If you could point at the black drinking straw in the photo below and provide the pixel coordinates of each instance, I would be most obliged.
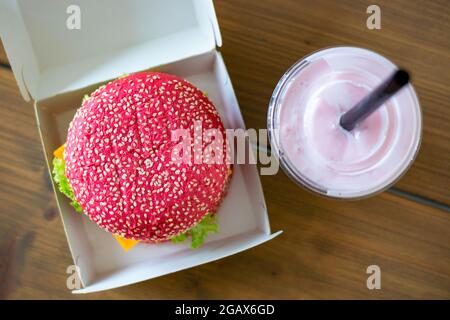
(375, 99)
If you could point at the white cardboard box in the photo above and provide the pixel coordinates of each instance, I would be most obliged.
(56, 66)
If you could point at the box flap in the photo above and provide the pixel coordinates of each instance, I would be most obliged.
(49, 54)
(210, 252)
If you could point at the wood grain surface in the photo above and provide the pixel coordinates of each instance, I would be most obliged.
(326, 245)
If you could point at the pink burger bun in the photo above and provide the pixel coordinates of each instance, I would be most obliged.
(118, 157)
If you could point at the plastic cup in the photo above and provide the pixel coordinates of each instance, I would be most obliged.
(318, 154)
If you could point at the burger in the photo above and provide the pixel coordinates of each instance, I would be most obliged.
(135, 163)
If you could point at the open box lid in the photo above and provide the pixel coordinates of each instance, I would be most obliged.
(50, 55)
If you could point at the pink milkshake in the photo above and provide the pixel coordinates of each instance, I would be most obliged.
(315, 151)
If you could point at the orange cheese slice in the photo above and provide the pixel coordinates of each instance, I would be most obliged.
(126, 244)
(59, 153)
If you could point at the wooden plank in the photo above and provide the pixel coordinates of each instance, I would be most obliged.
(3, 58)
(261, 39)
(323, 253)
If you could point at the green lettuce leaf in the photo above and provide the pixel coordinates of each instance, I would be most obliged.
(59, 176)
(85, 97)
(199, 232)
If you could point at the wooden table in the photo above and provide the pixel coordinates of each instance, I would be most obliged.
(327, 245)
